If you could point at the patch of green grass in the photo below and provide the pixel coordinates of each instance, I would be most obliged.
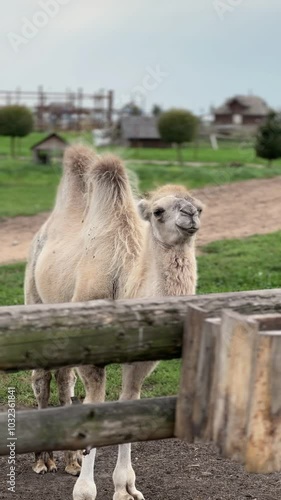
(11, 284)
(163, 382)
(228, 152)
(252, 263)
(23, 145)
(27, 189)
(229, 265)
(152, 176)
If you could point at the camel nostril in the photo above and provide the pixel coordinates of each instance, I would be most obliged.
(185, 212)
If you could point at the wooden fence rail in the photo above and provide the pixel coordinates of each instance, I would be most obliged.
(230, 389)
(102, 332)
(78, 426)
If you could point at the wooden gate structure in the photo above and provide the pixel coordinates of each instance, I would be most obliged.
(230, 388)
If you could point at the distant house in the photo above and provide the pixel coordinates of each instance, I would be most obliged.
(140, 131)
(242, 110)
(51, 145)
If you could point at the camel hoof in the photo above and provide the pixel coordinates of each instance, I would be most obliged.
(136, 495)
(51, 466)
(73, 469)
(40, 467)
(122, 496)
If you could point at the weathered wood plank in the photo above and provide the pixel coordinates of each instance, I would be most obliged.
(206, 381)
(78, 426)
(237, 340)
(98, 333)
(101, 332)
(195, 318)
(263, 453)
(275, 407)
(269, 322)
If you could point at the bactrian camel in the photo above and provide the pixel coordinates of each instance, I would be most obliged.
(95, 245)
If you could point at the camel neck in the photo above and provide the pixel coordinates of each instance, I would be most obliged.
(175, 267)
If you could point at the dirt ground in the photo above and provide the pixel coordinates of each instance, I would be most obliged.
(166, 470)
(232, 211)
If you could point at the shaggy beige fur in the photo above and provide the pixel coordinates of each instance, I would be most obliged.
(95, 245)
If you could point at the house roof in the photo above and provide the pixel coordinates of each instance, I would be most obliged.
(47, 139)
(139, 127)
(253, 105)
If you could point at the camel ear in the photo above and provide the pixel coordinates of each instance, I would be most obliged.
(143, 208)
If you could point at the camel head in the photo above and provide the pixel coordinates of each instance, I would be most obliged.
(174, 215)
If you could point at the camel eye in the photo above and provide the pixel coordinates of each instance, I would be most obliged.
(158, 212)
(199, 210)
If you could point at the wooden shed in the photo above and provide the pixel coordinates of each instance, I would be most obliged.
(140, 131)
(50, 146)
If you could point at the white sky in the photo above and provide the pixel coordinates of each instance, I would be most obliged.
(110, 44)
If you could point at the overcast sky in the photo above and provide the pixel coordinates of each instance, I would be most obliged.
(202, 51)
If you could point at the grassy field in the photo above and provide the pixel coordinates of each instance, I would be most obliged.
(228, 151)
(27, 189)
(151, 176)
(23, 145)
(230, 265)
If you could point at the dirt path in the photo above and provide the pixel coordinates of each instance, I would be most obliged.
(166, 470)
(16, 234)
(232, 211)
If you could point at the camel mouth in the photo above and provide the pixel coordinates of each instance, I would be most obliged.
(189, 230)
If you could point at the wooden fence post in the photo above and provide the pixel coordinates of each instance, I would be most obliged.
(206, 381)
(236, 345)
(190, 354)
(263, 451)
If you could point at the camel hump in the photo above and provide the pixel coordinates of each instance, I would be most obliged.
(110, 176)
(78, 159)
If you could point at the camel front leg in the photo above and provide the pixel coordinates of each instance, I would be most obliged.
(85, 487)
(94, 380)
(124, 477)
(66, 380)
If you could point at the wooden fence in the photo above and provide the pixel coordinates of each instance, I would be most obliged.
(230, 389)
